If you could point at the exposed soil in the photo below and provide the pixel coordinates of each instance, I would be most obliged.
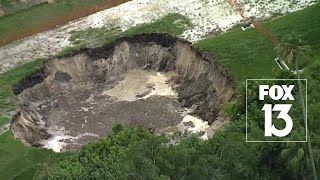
(151, 80)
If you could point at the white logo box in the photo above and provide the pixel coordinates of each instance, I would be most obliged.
(306, 105)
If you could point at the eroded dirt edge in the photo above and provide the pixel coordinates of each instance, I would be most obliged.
(151, 80)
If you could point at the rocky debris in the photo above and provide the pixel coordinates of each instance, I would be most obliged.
(87, 91)
(28, 124)
(62, 76)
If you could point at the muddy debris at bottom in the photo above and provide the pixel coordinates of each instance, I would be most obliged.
(155, 81)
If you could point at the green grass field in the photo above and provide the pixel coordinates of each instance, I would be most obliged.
(174, 24)
(250, 55)
(245, 54)
(32, 16)
(13, 6)
(18, 161)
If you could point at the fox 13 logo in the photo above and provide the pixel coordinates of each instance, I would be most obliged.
(276, 111)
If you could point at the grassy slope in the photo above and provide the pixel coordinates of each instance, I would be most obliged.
(18, 161)
(12, 6)
(249, 55)
(174, 24)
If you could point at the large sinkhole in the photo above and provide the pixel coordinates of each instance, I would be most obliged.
(155, 81)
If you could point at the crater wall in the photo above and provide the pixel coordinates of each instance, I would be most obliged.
(147, 80)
